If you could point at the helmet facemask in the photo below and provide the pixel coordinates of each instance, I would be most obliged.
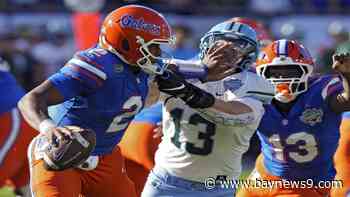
(154, 63)
(289, 80)
(245, 49)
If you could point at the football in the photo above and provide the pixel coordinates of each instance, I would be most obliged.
(68, 153)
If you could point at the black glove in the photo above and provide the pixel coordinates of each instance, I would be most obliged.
(175, 85)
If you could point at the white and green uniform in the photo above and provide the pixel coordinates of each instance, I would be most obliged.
(198, 144)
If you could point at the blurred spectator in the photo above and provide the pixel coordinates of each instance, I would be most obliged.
(270, 6)
(340, 37)
(292, 32)
(55, 50)
(183, 48)
(15, 48)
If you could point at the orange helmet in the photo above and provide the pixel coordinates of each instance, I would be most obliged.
(129, 31)
(263, 34)
(288, 66)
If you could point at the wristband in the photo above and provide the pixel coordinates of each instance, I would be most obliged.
(45, 125)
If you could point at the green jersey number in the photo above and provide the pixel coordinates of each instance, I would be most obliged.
(204, 134)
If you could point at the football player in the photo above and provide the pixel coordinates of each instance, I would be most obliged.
(101, 88)
(204, 137)
(139, 159)
(299, 131)
(15, 135)
(341, 158)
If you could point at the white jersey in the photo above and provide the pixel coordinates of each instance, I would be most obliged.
(198, 144)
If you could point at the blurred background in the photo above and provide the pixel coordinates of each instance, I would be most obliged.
(38, 36)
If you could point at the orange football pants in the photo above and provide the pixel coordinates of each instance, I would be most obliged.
(342, 160)
(108, 179)
(276, 191)
(15, 136)
(138, 147)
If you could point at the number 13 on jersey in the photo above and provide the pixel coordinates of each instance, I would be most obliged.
(206, 130)
(305, 143)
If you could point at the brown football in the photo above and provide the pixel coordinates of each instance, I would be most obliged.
(68, 153)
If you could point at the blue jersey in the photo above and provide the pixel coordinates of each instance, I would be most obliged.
(101, 93)
(152, 114)
(301, 144)
(10, 90)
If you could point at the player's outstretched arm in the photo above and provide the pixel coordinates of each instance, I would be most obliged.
(341, 102)
(174, 85)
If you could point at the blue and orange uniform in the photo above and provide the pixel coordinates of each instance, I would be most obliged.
(300, 145)
(101, 92)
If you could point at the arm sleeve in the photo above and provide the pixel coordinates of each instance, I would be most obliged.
(78, 77)
(334, 86)
(240, 119)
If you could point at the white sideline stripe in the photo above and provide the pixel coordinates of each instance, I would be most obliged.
(88, 67)
(13, 134)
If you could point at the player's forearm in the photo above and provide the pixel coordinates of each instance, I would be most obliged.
(232, 107)
(153, 95)
(34, 104)
(34, 110)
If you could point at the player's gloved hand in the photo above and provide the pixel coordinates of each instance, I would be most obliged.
(175, 85)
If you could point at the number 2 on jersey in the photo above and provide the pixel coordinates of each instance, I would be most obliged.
(194, 119)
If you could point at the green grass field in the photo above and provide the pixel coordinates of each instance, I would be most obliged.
(7, 192)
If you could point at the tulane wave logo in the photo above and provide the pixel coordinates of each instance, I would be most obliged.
(128, 21)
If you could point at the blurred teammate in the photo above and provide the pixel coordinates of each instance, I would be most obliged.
(341, 158)
(206, 137)
(101, 88)
(139, 145)
(299, 132)
(15, 134)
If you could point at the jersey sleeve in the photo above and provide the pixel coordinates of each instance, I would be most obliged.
(80, 75)
(244, 119)
(334, 86)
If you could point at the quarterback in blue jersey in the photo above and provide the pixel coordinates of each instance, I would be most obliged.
(101, 88)
(299, 132)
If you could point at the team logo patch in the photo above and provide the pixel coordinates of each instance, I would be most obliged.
(312, 116)
(118, 68)
(232, 84)
(139, 24)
